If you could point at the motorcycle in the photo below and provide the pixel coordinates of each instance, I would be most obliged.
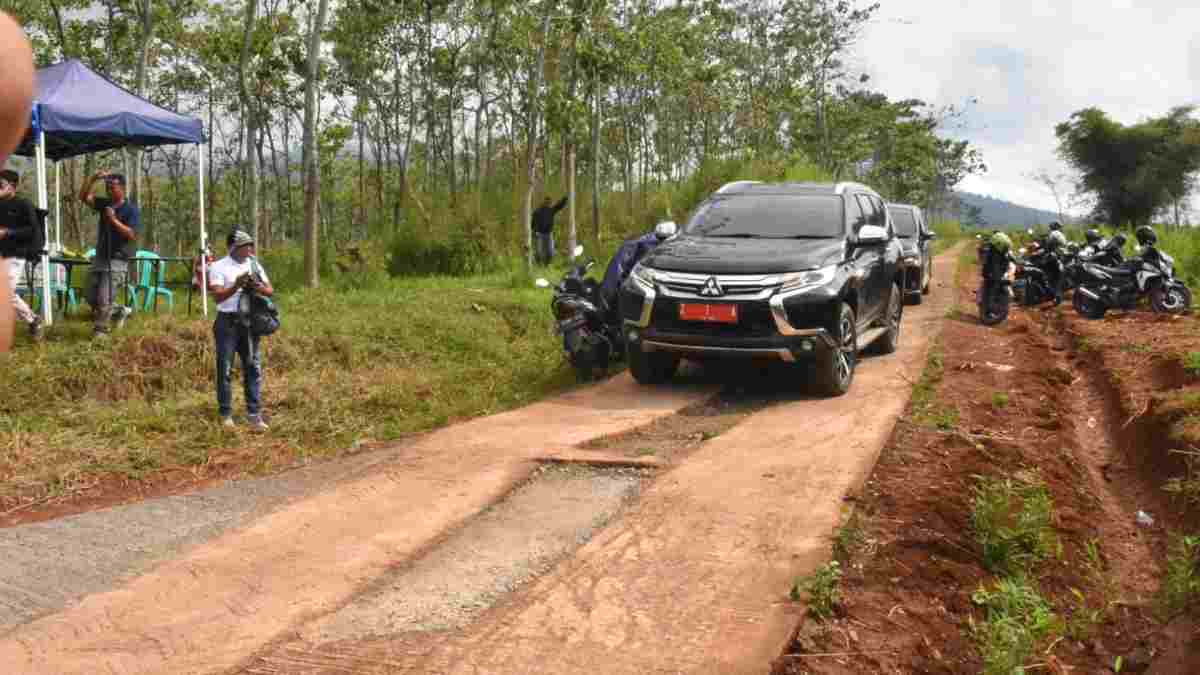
(995, 295)
(590, 339)
(1031, 284)
(1151, 274)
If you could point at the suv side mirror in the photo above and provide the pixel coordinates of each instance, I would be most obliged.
(665, 230)
(929, 235)
(872, 234)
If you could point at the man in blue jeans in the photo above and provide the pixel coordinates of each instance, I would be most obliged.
(227, 279)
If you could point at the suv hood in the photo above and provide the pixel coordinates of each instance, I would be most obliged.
(717, 255)
(909, 245)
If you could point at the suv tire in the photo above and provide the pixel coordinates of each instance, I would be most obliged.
(892, 320)
(651, 367)
(835, 367)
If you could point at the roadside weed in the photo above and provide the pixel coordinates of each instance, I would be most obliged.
(1016, 619)
(1085, 615)
(1188, 485)
(1137, 348)
(849, 538)
(1011, 521)
(822, 588)
(1191, 363)
(1000, 399)
(927, 408)
(1181, 587)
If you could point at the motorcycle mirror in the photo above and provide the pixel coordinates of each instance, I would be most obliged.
(578, 251)
(541, 283)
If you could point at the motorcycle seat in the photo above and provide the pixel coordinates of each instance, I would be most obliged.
(1111, 271)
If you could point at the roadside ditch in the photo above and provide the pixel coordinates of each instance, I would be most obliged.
(1020, 518)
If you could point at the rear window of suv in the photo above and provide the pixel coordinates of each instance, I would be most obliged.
(906, 225)
(769, 217)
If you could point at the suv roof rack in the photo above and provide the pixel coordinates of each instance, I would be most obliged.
(736, 184)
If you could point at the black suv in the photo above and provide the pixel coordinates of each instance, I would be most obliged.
(917, 259)
(793, 271)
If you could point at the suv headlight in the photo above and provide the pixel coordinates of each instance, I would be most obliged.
(910, 260)
(644, 275)
(810, 279)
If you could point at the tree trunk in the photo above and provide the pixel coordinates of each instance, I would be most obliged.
(596, 162)
(146, 15)
(249, 119)
(531, 139)
(312, 185)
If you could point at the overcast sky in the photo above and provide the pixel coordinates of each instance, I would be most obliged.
(1031, 63)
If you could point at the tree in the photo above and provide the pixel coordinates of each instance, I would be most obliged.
(1133, 170)
(312, 172)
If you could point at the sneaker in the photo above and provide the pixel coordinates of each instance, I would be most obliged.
(227, 422)
(257, 423)
(36, 330)
(119, 316)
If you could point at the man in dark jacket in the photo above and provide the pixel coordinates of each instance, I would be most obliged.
(543, 229)
(18, 221)
(116, 241)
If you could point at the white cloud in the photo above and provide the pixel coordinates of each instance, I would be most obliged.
(1031, 64)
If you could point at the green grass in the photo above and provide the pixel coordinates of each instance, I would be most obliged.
(1181, 587)
(1086, 614)
(1000, 399)
(849, 538)
(349, 365)
(927, 408)
(1016, 619)
(822, 588)
(1010, 519)
(1191, 363)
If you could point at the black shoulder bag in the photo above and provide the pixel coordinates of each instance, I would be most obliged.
(261, 315)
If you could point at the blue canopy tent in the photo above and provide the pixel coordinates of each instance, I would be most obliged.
(77, 111)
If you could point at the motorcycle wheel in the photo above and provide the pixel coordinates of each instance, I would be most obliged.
(1087, 307)
(993, 310)
(1173, 299)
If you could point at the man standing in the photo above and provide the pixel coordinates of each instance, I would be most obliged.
(543, 229)
(116, 240)
(18, 221)
(227, 279)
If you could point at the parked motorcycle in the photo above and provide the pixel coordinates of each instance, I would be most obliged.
(590, 339)
(1151, 274)
(995, 293)
(1031, 283)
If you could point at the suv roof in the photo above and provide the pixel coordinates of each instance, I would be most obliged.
(910, 207)
(791, 188)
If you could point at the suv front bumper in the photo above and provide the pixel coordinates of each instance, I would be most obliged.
(765, 329)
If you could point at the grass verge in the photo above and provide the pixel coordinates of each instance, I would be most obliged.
(350, 367)
(1010, 519)
(1016, 619)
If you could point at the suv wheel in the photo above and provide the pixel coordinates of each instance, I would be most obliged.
(651, 367)
(835, 367)
(895, 313)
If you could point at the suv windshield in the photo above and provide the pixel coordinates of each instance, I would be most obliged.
(906, 225)
(768, 217)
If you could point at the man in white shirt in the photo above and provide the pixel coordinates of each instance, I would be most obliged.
(227, 279)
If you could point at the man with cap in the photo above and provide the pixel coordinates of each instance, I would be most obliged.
(116, 241)
(18, 221)
(227, 278)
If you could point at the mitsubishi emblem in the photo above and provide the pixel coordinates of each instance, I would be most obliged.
(711, 288)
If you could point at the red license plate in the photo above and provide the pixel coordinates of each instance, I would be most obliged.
(705, 312)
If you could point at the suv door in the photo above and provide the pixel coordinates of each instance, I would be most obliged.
(873, 293)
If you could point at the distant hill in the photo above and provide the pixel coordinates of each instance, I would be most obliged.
(996, 213)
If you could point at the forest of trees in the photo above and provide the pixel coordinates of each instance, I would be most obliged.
(373, 119)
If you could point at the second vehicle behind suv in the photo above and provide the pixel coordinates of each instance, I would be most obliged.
(917, 259)
(793, 271)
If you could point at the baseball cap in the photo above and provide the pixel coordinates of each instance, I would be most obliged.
(115, 178)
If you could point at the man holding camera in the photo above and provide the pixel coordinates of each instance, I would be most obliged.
(116, 240)
(228, 279)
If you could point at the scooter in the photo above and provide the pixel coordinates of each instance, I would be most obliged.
(590, 340)
(1151, 274)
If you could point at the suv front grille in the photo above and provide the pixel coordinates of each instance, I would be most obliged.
(732, 286)
(754, 320)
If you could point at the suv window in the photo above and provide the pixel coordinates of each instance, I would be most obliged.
(768, 217)
(869, 210)
(906, 224)
(855, 215)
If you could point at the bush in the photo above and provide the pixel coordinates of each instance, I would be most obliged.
(1011, 521)
(1017, 619)
(456, 255)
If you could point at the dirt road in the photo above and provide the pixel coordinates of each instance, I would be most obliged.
(692, 578)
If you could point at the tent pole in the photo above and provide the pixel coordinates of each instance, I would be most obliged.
(40, 164)
(203, 233)
(57, 209)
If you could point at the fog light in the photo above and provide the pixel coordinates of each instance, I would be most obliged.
(806, 345)
(631, 336)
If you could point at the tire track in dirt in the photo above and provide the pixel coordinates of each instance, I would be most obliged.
(208, 609)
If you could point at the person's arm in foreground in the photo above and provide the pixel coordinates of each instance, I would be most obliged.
(16, 97)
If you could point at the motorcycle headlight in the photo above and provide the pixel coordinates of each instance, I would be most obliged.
(809, 279)
(644, 275)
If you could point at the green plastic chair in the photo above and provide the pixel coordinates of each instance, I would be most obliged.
(153, 287)
(61, 292)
